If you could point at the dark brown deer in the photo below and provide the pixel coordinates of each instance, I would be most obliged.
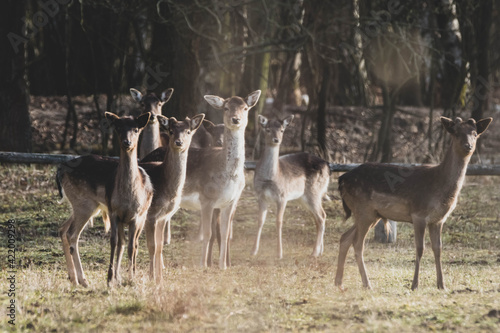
(129, 196)
(151, 137)
(278, 179)
(422, 195)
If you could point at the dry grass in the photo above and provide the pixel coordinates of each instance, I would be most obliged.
(257, 293)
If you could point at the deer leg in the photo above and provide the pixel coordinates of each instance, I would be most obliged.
(206, 228)
(419, 227)
(133, 230)
(151, 244)
(435, 235)
(358, 245)
(74, 227)
(225, 227)
(160, 232)
(346, 241)
(63, 233)
(280, 205)
(215, 234)
(168, 234)
(228, 257)
(113, 242)
(319, 218)
(119, 251)
(261, 221)
(138, 232)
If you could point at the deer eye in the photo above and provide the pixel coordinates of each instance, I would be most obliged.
(474, 133)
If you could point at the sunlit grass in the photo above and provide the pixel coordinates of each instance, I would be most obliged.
(257, 293)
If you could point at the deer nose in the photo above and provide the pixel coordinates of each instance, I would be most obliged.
(178, 143)
(127, 143)
(468, 146)
(276, 140)
(236, 121)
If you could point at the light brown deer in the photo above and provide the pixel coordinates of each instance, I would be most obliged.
(422, 195)
(168, 178)
(84, 181)
(216, 175)
(151, 137)
(208, 135)
(278, 179)
(129, 196)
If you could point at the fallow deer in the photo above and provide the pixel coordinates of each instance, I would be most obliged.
(422, 195)
(151, 136)
(299, 176)
(216, 175)
(168, 178)
(208, 135)
(129, 196)
(83, 182)
(211, 136)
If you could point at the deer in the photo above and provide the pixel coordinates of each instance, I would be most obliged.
(129, 196)
(83, 182)
(208, 135)
(216, 175)
(151, 136)
(212, 136)
(422, 195)
(299, 176)
(168, 178)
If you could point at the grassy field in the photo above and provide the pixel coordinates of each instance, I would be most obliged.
(257, 293)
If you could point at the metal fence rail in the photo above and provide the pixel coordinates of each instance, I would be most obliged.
(33, 158)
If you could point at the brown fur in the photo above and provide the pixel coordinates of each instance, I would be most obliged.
(423, 196)
(83, 181)
(299, 176)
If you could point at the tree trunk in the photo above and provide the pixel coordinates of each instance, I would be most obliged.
(321, 115)
(482, 86)
(15, 124)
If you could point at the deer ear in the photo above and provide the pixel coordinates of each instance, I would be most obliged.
(165, 95)
(448, 124)
(143, 119)
(136, 94)
(263, 121)
(483, 124)
(111, 118)
(196, 121)
(208, 125)
(287, 120)
(215, 101)
(163, 121)
(253, 98)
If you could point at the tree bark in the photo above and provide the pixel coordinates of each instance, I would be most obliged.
(15, 123)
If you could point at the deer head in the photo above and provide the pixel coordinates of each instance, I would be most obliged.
(180, 133)
(465, 133)
(235, 108)
(151, 103)
(274, 129)
(128, 128)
